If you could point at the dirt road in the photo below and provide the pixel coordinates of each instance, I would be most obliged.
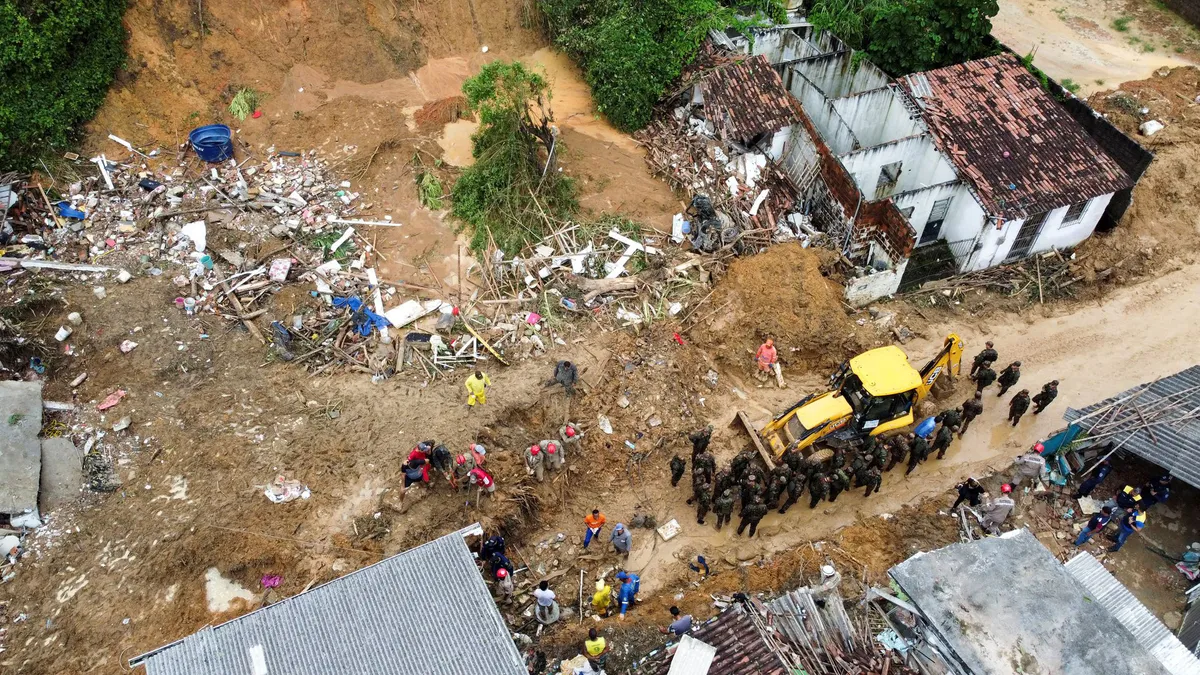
(1077, 39)
(1138, 334)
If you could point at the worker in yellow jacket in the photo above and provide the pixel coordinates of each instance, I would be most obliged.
(477, 385)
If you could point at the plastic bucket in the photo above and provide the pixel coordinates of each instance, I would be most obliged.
(212, 143)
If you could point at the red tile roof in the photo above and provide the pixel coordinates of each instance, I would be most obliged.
(747, 98)
(980, 111)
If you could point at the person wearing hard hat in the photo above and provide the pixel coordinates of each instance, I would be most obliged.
(535, 462)
(504, 585)
(1030, 465)
(602, 598)
(554, 453)
(995, 510)
(1132, 521)
(570, 435)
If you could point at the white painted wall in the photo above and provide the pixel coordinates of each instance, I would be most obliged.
(835, 75)
(921, 165)
(867, 289)
(877, 116)
(781, 45)
(778, 143)
(1054, 234)
(922, 202)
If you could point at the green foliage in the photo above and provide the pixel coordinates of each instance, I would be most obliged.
(58, 58)
(429, 190)
(1042, 79)
(632, 50)
(1070, 85)
(510, 192)
(905, 36)
(244, 103)
(1121, 23)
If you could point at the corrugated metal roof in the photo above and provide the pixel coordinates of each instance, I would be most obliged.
(1004, 602)
(1175, 447)
(741, 649)
(1148, 630)
(423, 611)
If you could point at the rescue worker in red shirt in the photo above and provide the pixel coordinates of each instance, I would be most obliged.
(766, 357)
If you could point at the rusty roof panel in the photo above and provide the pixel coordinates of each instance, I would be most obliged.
(741, 649)
(747, 98)
(1019, 148)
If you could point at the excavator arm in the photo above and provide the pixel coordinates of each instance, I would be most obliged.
(948, 360)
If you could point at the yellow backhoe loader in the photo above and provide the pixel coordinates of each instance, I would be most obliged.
(870, 394)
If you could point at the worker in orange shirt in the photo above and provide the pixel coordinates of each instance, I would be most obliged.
(594, 523)
(766, 357)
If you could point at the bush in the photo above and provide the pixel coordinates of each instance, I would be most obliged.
(632, 50)
(57, 58)
(508, 194)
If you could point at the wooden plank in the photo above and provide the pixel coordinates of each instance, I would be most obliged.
(484, 343)
(762, 450)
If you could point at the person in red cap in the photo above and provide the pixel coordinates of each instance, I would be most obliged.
(570, 435)
(766, 357)
(535, 462)
(995, 510)
(504, 585)
(484, 481)
(555, 454)
(1030, 465)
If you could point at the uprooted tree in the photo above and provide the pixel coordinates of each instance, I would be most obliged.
(513, 191)
(58, 58)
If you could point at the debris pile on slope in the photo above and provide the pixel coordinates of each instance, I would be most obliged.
(780, 294)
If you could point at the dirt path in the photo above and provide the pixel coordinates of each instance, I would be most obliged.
(1077, 40)
(1139, 333)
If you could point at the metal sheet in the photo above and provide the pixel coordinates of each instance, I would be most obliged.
(1175, 447)
(1148, 630)
(424, 611)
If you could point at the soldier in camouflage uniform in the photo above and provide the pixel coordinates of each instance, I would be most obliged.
(703, 501)
(751, 487)
(873, 480)
(776, 485)
(678, 466)
(795, 488)
(838, 482)
(741, 463)
(900, 446)
(723, 507)
(818, 487)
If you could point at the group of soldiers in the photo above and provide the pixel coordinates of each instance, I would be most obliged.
(984, 376)
(744, 482)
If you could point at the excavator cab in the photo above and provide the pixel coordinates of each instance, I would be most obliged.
(872, 393)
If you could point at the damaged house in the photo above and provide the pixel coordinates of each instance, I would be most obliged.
(942, 172)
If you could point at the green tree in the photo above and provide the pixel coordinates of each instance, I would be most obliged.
(513, 187)
(58, 58)
(632, 50)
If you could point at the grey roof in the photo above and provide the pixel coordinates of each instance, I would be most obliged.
(1173, 446)
(422, 612)
(1005, 605)
(1146, 628)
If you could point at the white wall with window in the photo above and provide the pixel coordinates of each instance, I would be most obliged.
(914, 163)
(1061, 227)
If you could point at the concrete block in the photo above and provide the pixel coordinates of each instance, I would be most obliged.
(62, 473)
(20, 449)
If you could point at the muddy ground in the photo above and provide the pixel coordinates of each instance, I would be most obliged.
(214, 420)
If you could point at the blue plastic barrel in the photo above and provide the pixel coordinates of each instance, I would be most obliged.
(212, 143)
(925, 428)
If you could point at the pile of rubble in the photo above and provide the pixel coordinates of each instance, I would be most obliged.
(1046, 275)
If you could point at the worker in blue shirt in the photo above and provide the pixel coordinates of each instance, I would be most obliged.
(1086, 487)
(632, 578)
(1094, 526)
(626, 597)
(1133, 521)
(1156, 491)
